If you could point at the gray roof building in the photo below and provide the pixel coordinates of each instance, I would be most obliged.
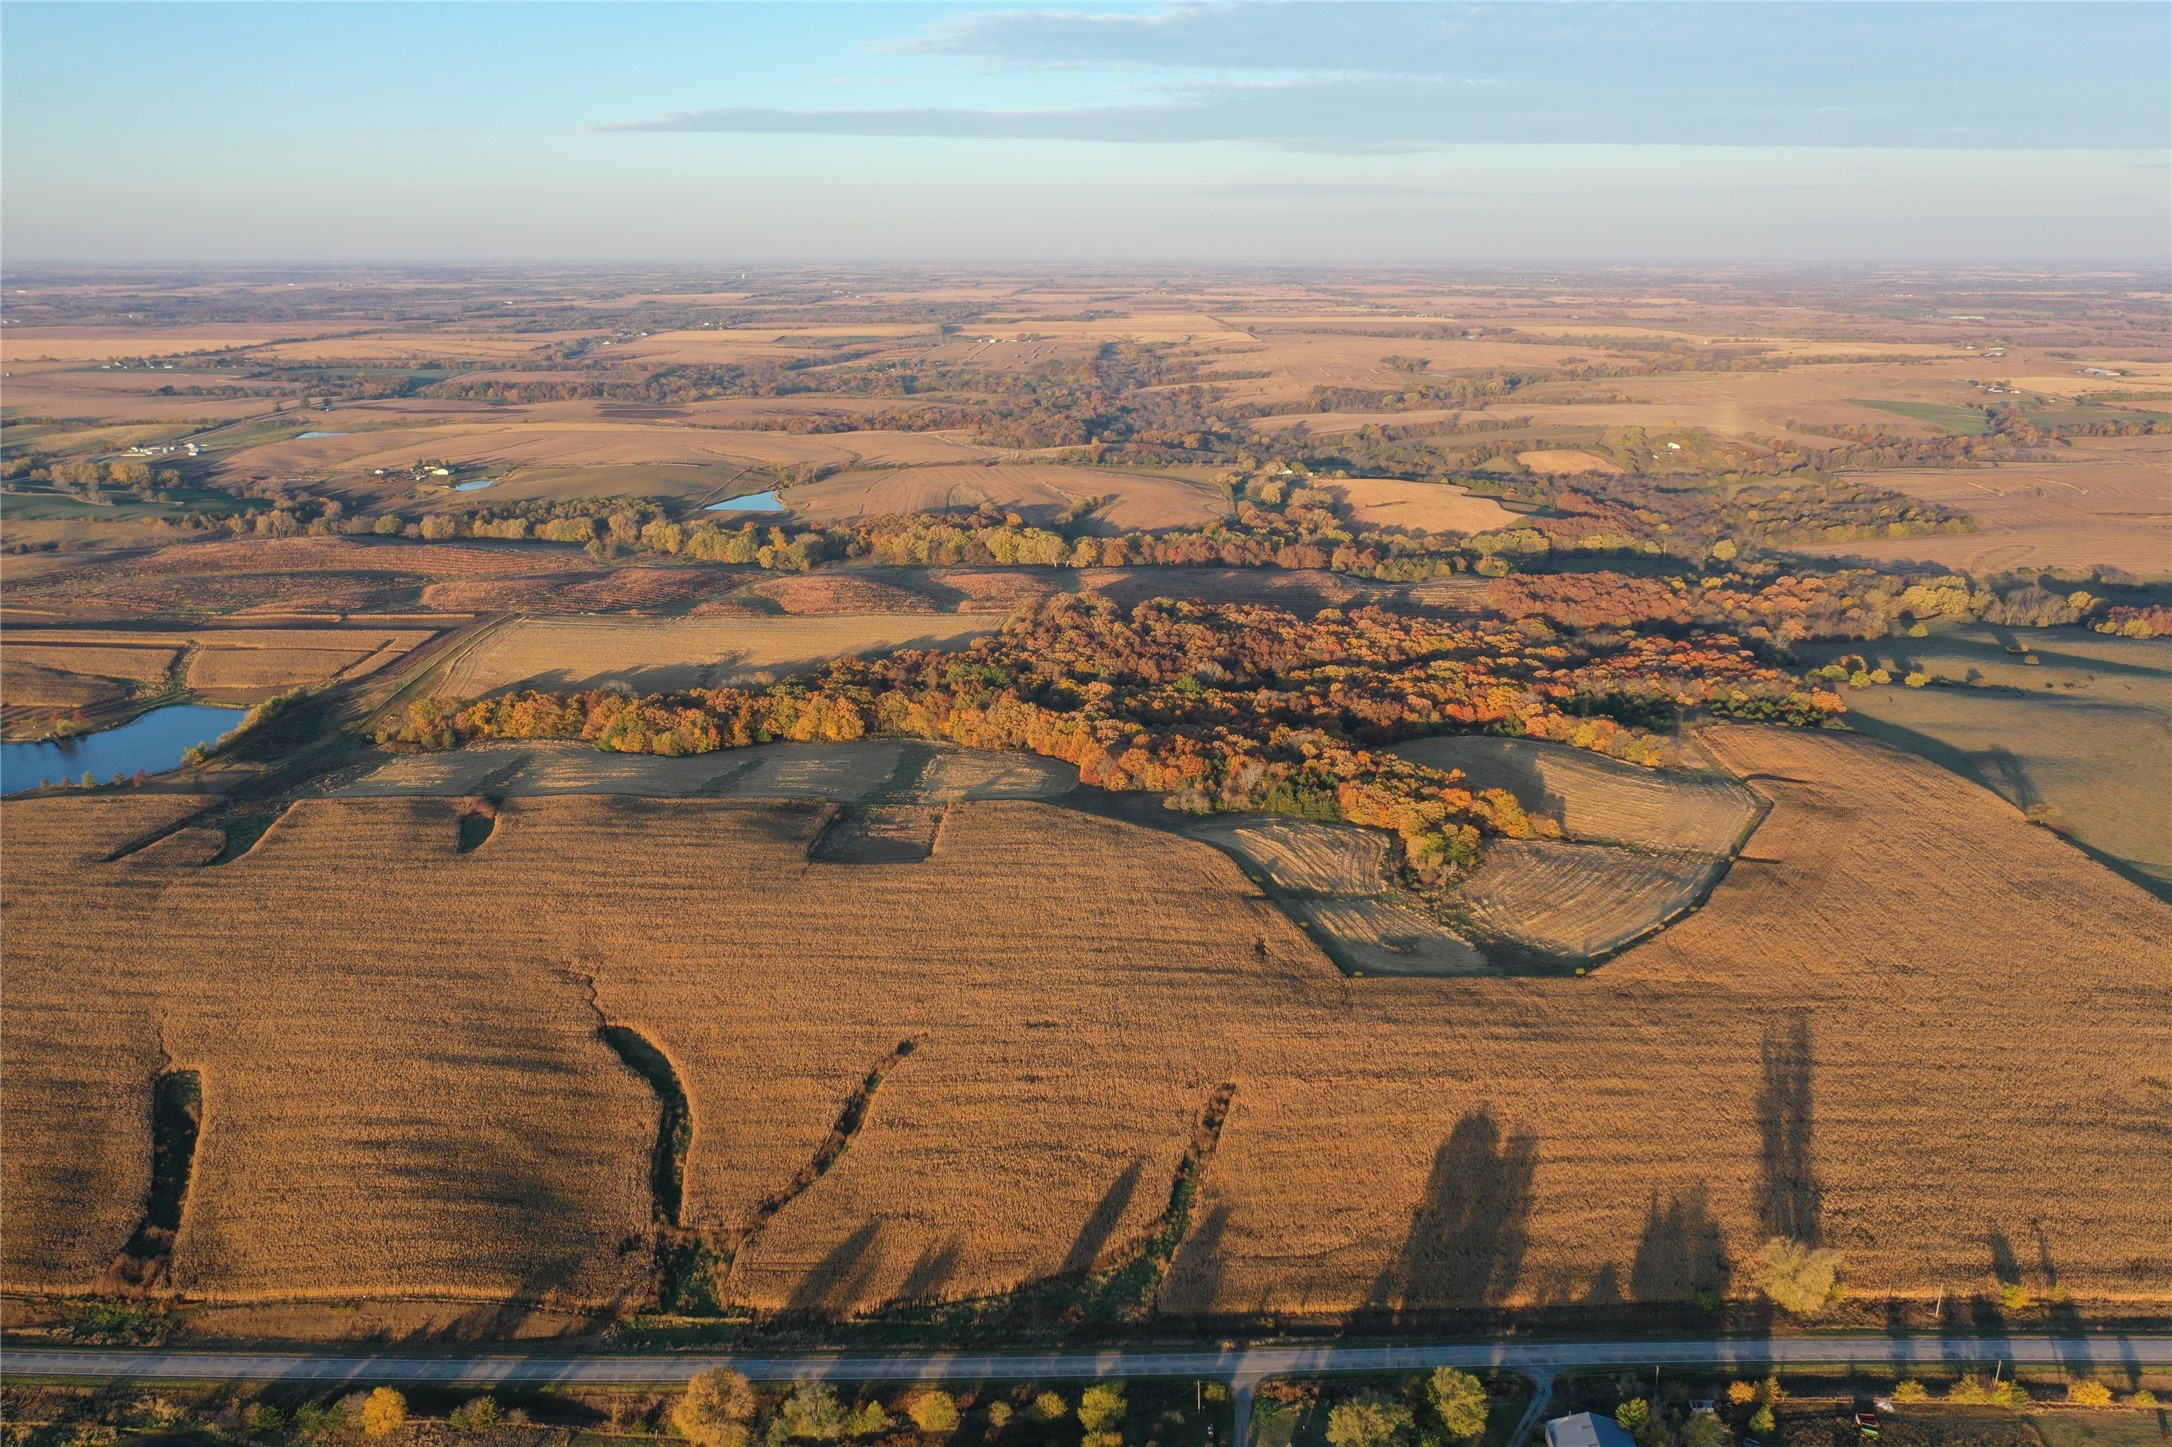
(1587, 1429)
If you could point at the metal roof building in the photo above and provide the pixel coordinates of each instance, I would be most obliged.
(1587, 1429)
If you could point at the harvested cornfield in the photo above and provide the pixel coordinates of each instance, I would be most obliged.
(146, 663)
(260, 669)
(400, 1122)
(27, 684)
(1766, 1067)
(1908, 1026)
(1303, 855)
(1377, 937)
(1578, 901)
(870, 770)
(651, 654)
(581, 590)
(1418, 507)
(1598, 799)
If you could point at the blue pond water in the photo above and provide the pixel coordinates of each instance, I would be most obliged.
(320, 434)
(153, 742)
(476, 486)
(749, 502)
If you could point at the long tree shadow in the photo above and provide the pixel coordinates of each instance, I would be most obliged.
(928, 1275)
(1471, 1228)
(1196, 1274)
(1790, 1197)
(2065, 1318)
(1683, 1252)
(1094, 1235)
(835, 1283)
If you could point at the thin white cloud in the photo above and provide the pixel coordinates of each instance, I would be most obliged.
(1369, 78)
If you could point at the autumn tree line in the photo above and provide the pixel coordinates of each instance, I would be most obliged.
(1218, 706)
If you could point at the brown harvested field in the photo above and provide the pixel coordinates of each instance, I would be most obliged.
(1424, 507)
(99, 343)
(1567, 462)
(148, 662)
(1380, 937)
(1578, 901)
(316, 1164)
(308, 555)
(1762, 404)
(1319, 356)
(991, 590)
(2080, 739)
(220, 659)
(113, 648)
(336, 575)
(1139, 500)
(1763, 1065)
(417, 345)
(75, 392)
(648, 654)
(909, 449)
(2113, 508)
(216, 670)
(1597, 799)
(511, 439)
(863, 771)
(24, 684)
(832, 593)
(588, 590)
(1302, 855)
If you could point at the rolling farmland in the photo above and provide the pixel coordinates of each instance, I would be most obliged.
(505, 1018)
(994, 1152)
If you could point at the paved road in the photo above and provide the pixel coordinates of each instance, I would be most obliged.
(1237, 1364)
(1242, 1367)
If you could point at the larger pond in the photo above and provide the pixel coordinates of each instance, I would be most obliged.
(151, 743)
(749, 502)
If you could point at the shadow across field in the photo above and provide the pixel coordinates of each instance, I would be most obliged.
(1471, 1227)
(1790, 1196)
(1682, 1253)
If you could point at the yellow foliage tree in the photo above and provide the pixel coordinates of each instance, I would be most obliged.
(384, 1413)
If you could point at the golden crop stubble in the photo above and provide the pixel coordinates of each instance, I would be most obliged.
(1976, 1010)
(1905, 1019)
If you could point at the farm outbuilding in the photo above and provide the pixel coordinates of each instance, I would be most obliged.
(1586, 1429)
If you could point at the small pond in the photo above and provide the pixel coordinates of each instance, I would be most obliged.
(749, 502)
(153, 742)
(476, 486)
(320, 434)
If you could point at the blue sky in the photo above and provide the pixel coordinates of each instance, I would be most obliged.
(1647, 131)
